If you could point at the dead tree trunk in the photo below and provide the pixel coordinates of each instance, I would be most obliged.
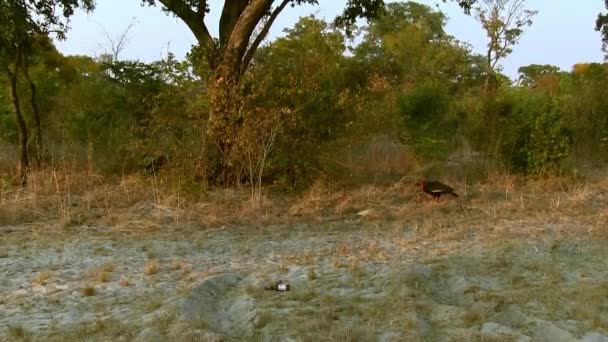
(23, 164)
(39, 147)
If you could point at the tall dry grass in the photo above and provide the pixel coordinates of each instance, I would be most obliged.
(67, 197)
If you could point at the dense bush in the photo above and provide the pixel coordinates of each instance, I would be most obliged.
(308, 97)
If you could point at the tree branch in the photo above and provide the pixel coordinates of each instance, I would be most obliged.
(240, 36)
(194, 20)
(202, 7)
(230, 15)
(260, 38)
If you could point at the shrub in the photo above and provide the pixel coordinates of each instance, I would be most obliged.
(550, 140)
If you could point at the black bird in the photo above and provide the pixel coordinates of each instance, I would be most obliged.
(435, 189)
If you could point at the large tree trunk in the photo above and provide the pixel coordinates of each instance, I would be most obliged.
(225, 111)
(226, 102)
(235, 49)
(23, 164)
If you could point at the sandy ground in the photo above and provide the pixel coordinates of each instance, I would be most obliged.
(352, 279)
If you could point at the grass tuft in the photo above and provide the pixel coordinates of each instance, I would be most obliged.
(88, 290)
(151, 267)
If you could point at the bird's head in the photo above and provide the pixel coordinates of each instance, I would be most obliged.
(421, 183)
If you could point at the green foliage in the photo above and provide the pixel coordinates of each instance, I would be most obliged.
(504, 22)
(8, 128)
(426, 72)
(116, 113)
(601, 25)
(550, 140)
(22, 22)
(529, 129)
(303, 76)
(305, 106)
(586, 99)
(401, 15)
(372, 9)
(532, 75)
(424, 112)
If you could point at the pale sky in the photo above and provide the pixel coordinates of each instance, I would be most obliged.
(562, 34)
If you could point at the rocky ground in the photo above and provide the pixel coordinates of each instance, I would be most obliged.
(350, 280)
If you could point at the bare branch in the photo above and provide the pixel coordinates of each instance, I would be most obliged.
(116, 44)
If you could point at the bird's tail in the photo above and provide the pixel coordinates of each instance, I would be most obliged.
(453, 194)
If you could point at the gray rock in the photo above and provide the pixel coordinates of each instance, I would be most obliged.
(423, 271)
(423, 326)
(441, 314)
(570, 325)
(288, 339)
(594, 337)
(491, 328)
(512, 316)
(150, 335)
(491, 284)
(458, 287)
(390, 336)
(221, 305)
(547, 332)
(494, 330)
(296, 277)
(458, 284)
(207, 293)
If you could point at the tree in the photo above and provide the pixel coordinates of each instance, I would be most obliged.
(22, 24)
(114, 45)
(303, 77)
(533, 74)
(504, 22)
(243, 26)
(601, 25)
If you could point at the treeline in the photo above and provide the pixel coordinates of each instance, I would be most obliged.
(304, 99)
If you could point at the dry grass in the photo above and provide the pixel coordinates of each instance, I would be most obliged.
(152, 267)
(487, 208)
(153, 303)
(42, 278)
(107, 267)
(103, 273)
(415, 223)
(178, 265)
(18, 333)
(104, 277)
(88, 290)
(472, 318)
(183, 267)
(72, 197)
(124, 282)
(489, 212)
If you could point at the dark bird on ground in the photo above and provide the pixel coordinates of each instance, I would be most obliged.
(435, 189)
